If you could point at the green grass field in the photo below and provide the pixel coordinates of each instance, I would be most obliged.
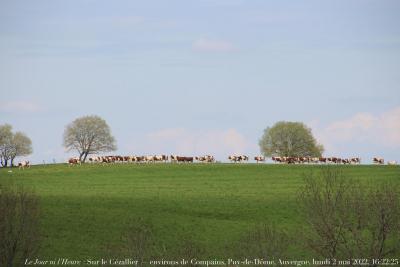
(85, 209)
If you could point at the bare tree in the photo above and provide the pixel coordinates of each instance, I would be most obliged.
(21, 146)
(347, 220)
(13, 145)
(6, 136)
(88, 135)
(19, 236)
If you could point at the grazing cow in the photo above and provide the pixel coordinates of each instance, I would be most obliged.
(355, 160)
(95, 159)
(73, 161)
(184, 159)
(160, 158)
(23, 164)
(259, 159)
(174, 158)
(290, 160)
(243, 158)
(277, 159)
(322, 160)
(149, 158)
(392, 162)
(164, 158)
(201, 159)
(377, 160)
(205, 159)
(140, 159)
(240, 158)
(178, 159)
(233, 158)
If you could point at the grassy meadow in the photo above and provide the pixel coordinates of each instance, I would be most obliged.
(85, 210)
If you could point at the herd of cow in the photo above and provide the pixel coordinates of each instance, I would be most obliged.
(231, 158)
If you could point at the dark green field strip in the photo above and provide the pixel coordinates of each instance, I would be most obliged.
(91, 223)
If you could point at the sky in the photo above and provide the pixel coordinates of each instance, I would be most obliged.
(203, 77)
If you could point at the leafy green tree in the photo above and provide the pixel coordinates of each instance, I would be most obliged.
(88, 135)
(289, 139)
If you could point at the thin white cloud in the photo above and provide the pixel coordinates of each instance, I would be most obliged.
(126, 21)
(219, 143)
(378, 129)
(20, 106)
(207, 45)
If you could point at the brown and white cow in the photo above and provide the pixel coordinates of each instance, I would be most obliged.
(23, 164)
(277, 159)
(73, 161)
(259, 159)
(205, 159)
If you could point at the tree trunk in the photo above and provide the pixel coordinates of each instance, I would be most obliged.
(80, 156)
(12, 162)
(84, 158)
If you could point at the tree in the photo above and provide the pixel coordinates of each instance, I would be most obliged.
(289, 139)
(21, 146)
(19, 225)
(13, 145)
(6, 136)
(88, 135)
(347, 219)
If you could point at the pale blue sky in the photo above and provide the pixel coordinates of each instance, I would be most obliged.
(195, 77)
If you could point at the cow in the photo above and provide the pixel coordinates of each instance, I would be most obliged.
(259, 159)
(355, 160)
(140, 159)
(149, 158)
(202, 159)
(160, 158)
(243, 158)
(178, 159)
(164, 158)
(291, 160)
(377, 160)
(277, 159)
(173, 158)
(240, 158)
(392, 162)
(73, 161)
(233, 158)
(23, 164)
(205, 159)
(184, 159)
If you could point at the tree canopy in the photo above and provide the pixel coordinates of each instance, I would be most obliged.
(13, 145)
(88, 135)
(289, 139)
